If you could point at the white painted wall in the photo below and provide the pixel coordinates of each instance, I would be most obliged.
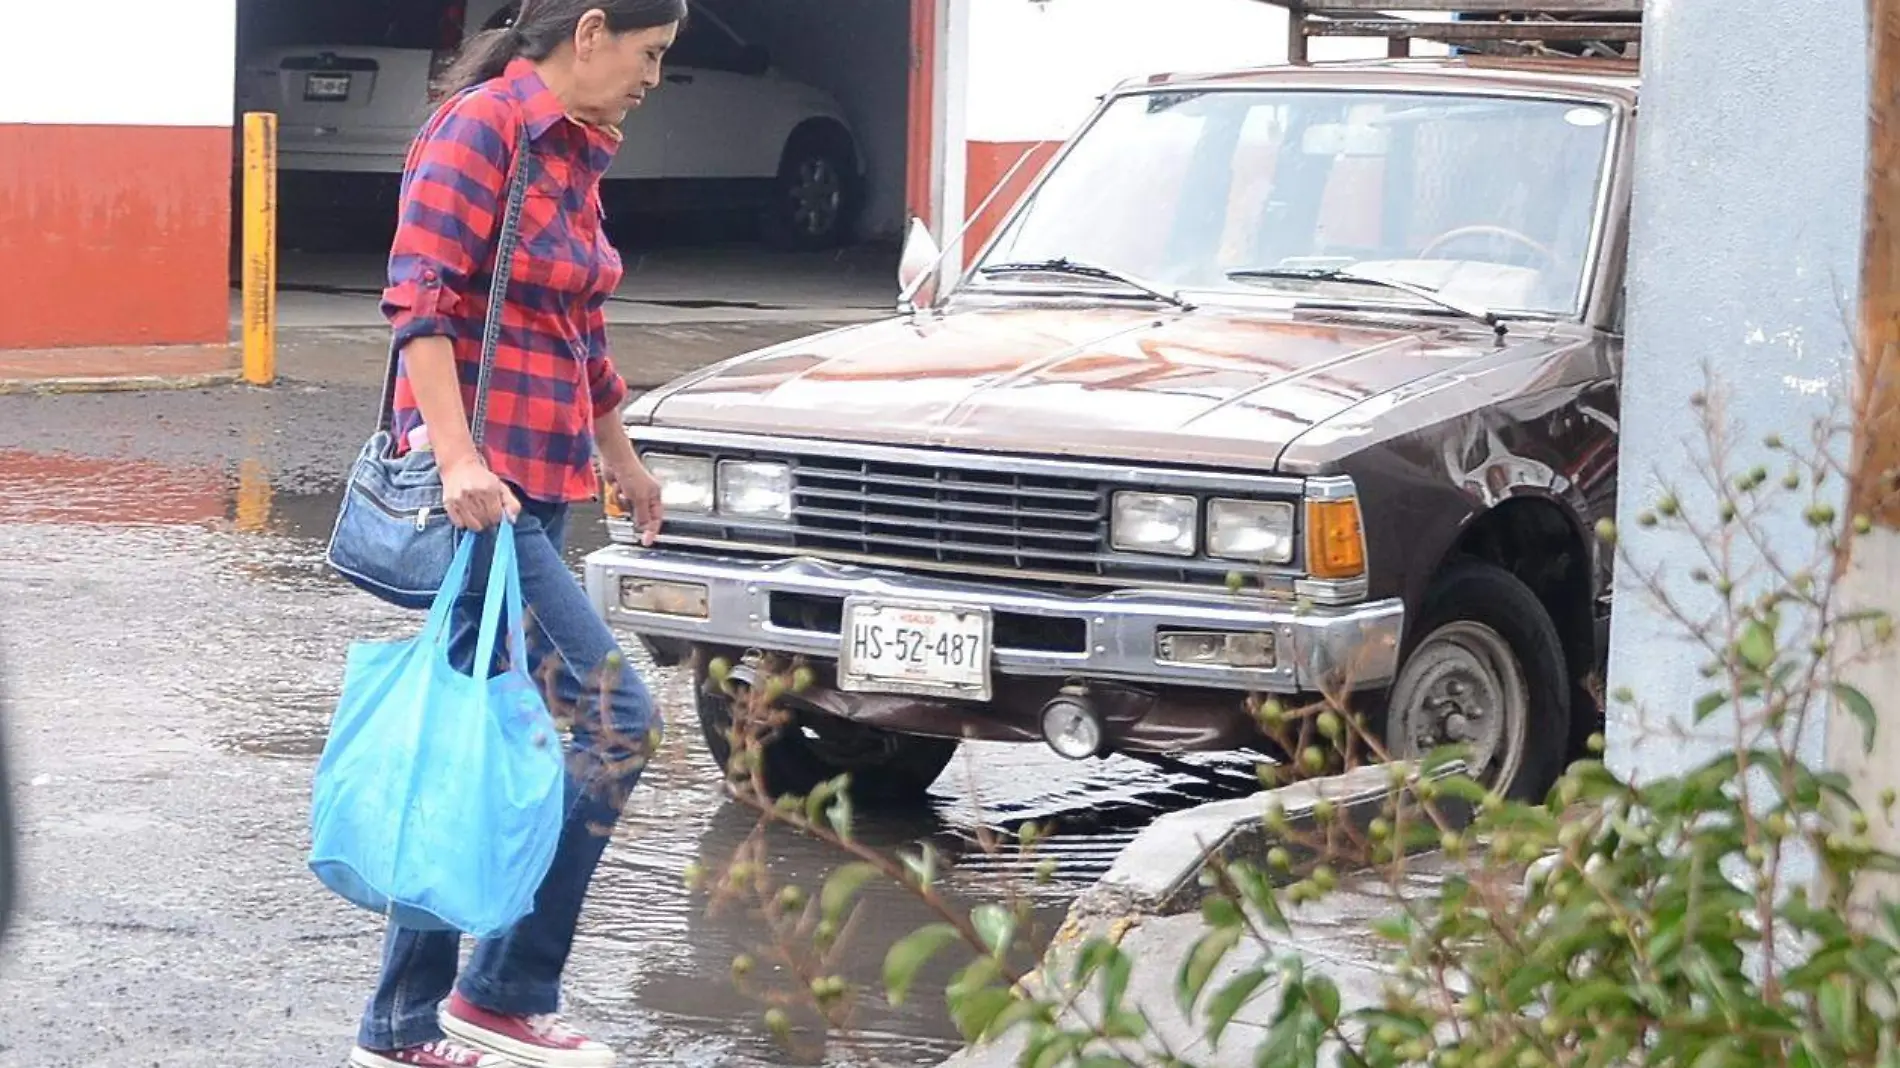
(1036, 68)
(118, 62)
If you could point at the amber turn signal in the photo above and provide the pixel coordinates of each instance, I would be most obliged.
(1335, 545)
(610, 501)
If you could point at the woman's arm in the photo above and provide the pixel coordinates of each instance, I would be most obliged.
(474, 496)
(638, 490)
(446, 227)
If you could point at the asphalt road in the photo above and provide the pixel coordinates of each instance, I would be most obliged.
(176, 648)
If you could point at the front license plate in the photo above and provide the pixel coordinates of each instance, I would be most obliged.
(326, 87)
(924, 650)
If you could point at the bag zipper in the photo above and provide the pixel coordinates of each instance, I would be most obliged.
(421, 517)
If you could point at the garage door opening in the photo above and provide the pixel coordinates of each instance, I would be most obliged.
(782, 126)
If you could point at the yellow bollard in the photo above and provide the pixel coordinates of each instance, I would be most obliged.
(260, 248)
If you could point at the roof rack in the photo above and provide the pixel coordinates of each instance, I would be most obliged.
(1590, 28)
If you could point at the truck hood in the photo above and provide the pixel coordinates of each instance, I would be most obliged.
(1214, 388)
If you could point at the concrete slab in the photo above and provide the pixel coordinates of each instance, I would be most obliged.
(1331, 937)
(1148, 901)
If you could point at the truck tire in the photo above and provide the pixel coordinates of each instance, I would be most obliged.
(815, 194)
(1488, 670)
(887, 770)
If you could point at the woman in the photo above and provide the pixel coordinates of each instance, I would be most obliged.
(555, 86)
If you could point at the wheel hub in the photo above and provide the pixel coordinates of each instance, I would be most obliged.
(1463, 686)
(817, 197)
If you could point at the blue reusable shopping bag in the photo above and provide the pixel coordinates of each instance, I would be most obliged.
(440, 796)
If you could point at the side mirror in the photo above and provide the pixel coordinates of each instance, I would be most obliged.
(754, 60)
(917, 268)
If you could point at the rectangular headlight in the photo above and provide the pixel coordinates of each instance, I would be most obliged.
(686, 482)
(1154, 523)
(752, 488)
(1255, 531)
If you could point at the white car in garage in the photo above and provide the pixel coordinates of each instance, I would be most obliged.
(352, 80)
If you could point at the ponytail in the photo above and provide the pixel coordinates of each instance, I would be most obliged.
(485, 57)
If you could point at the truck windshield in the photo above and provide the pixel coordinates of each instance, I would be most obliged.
(1488, 202)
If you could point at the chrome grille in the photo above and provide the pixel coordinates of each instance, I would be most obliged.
(1037, 520)
(949, 516)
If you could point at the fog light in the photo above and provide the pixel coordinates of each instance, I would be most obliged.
(686, 599)
(1245, 649)
(1071, 727)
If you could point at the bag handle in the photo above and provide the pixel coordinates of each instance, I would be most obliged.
(506, 240)
(453, 583)
(504, 590)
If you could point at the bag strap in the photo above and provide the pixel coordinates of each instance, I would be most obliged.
(506, 239)
(498, 288)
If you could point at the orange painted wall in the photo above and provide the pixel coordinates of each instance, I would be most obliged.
(921, 147)
(989, 162)
(114, 235)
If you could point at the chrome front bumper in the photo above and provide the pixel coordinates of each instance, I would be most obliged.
(1355, 646)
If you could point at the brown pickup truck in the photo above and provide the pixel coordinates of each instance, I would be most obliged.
(1277, 381)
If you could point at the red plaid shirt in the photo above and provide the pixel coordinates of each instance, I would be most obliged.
(552, 374)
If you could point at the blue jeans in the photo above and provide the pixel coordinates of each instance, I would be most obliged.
(573, 652)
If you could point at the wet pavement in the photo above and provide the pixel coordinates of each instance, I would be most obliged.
(174, 648)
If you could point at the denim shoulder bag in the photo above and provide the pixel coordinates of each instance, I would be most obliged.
(393, 537)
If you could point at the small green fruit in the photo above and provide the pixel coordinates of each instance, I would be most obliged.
(777, 1022)
(1606, 531)
(1279, 859)
(1331, 726)
(1276, 816)
(742, 965)
(1325, 879)
(1324, 810)
(1313, 759)
(791, 898)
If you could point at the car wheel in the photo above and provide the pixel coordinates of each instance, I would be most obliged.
(814, 194)
(1487, 672)
(887, 770)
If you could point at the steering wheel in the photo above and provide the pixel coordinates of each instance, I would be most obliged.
(1454, 234)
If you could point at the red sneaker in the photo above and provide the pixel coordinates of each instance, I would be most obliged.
(535, 1041)
(442, 1054)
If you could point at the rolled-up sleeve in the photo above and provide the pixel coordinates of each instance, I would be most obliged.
(608, 389)
(451, 198)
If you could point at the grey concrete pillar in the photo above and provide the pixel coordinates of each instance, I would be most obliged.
(1745, 257)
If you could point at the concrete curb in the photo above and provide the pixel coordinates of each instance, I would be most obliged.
(114, 384)
(1156, 882)
(1159, 873)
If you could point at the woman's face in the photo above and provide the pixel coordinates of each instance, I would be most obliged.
(614, 71)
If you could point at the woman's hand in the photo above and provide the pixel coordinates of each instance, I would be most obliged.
(638, 492)
(475, 498)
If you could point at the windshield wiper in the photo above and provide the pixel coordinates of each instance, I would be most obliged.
(1341, 274)
(1069, 265)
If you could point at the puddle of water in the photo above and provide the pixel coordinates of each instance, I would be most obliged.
(209, 653)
